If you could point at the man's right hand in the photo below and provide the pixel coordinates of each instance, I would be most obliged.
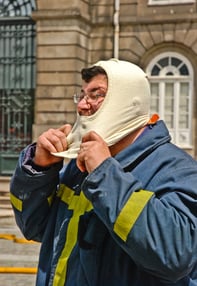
(53, 140)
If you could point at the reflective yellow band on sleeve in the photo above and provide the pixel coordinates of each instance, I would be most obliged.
(16, 202)
(130, 213)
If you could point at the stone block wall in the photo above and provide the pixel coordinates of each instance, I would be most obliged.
(62, 50)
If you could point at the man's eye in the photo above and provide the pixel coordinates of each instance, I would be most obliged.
(92, 96)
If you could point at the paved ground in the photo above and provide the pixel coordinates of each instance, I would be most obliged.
(16, 254)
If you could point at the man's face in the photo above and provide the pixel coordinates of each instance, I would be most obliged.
(92, 95)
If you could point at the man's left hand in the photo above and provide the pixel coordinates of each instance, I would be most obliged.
(93, 151)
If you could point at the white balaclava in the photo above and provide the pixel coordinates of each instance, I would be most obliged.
(124, 109)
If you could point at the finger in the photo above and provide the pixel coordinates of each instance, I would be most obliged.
(66, 129)
(49, 145)
(55, 141)
(62, 133)
(91, 136)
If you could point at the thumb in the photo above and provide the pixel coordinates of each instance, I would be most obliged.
(66, 129)
(91, 136)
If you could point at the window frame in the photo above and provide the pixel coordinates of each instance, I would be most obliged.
(177, 80)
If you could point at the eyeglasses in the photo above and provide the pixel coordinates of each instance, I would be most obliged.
(90, 97)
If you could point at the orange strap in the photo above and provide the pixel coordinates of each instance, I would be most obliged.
(153, 119)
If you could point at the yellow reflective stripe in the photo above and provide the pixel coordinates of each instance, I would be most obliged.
(50, 198)
(65, 193)
(18, 204)
(130, 213)
(79, 204)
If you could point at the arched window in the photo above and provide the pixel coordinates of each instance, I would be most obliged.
(171, 79)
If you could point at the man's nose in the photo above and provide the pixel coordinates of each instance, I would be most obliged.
(84, 102)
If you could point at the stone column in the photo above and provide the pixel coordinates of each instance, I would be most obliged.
(62, 50)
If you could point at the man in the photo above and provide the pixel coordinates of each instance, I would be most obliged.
(124, 210)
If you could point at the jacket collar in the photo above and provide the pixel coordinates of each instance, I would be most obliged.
(152, 137)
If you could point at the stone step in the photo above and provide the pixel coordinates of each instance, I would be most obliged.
(4, 193)
(5, 200)
(6, 205)
(4, 184)
(24, 260)
(4, 213)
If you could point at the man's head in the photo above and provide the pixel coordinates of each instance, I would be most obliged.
(121, 106)
(93, 90)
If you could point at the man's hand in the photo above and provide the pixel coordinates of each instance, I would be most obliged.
(93, 151)
(53, 140)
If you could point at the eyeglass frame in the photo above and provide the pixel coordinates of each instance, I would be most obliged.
(79, 97)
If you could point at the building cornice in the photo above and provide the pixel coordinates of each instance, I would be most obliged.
(159, 19)
(59, 14)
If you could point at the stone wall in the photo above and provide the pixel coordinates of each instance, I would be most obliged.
(62, 50)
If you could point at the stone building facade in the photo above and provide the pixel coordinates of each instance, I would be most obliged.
(71, 35)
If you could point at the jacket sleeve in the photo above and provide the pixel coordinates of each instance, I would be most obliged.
(32, 192)
(158, 230)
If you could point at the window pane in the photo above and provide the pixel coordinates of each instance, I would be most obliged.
(184, 105)
(184, 90)
(169, 73)
(163, 62)
(176, 62)
(183, 120)
(184, 70)
(155, 70)
(169, 104)
(154, 97)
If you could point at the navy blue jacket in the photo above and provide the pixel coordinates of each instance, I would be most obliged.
(132, 221)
